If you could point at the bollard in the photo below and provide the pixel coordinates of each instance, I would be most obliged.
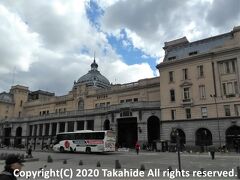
(117, 164)
(142, 167)
(238, 172)
(49, 159)
(169, 168)
(202, 171)
(98, 164)
(80, 163)
(64, 161)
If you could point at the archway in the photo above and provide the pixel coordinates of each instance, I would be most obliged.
(81, 104)
(182, 137)
(203, 137)
(18, 138)
(7, 135)
(106, 125)
(153, 127)
(233, 137)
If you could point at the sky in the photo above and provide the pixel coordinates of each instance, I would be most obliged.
(49, 44)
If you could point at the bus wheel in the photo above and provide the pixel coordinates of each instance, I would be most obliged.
(71, 149)
(88, 150)
(61, 149)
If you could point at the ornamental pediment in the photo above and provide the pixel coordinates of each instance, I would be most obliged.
(186, 83)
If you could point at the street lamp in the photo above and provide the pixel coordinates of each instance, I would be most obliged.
(219, 135)
(176, 134)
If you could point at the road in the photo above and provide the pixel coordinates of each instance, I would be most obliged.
(153, 161)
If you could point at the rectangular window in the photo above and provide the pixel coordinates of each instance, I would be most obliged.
(237, 109)
(121, 101)
(171, 76)
(135, 99)
(128, 100)
(172, 58)
(173, 114)
(227, 67)
(233, 66)
(185, 74)
(200, 71)
(230, 88)
(186, 93)
(188, 113)
(227, 110)
(236, 87)
(224, 88)
(202, 92)
(172, 95)
(192, 53)
(204, 112)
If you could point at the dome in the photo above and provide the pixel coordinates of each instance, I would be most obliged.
(6, 97)
(94, 78)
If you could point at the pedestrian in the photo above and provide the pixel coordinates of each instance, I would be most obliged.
(12, 163)
(137, 147)
(212, 153)
(29, 152)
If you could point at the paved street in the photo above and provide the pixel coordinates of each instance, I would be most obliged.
(129, 160)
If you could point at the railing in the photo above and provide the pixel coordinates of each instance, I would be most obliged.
(117, 107)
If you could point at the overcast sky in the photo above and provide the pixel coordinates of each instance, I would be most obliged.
(47, 44)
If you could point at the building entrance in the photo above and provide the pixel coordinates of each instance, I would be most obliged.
(127, 132)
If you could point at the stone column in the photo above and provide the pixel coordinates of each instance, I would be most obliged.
(50, 129)
(44, 129)
(85, 125)
(57, 129)
(66, 127)
(75, 125)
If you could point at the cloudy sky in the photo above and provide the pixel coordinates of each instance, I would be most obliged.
(47, 44)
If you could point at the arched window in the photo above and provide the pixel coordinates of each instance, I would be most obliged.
(81, 104)
(106, 125)
(203, 137)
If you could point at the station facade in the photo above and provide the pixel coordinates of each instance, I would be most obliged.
(196, 97)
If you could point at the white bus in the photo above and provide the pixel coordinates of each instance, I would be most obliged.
(85, 141)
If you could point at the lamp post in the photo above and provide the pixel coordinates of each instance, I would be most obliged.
(215, 101)
(176, 134)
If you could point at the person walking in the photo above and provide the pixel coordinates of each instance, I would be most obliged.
(212, 153)
(137, 147)
(12, 163)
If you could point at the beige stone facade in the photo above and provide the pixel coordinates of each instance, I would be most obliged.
(90, 104)
(200, 83)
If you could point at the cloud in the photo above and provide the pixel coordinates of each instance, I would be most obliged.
(223, 14)
(49, 44)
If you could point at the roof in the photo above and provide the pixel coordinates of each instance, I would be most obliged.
(6, 97)
(94, 78)
(180, 49)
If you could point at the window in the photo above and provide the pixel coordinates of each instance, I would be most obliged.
(204, 112)
(172, 58)
(135, 99)
(171, 76)
(227, 110)
(188, 113)
(19, 114)
(128, 100)
(202, 92)
(102, 104)
(108, 103)
(121, 101)
(237, 109)
(236, 87)
(186, 93)
(21, 103)
(224, 88)
(185, 74)
(230, 89)
(173, 114)
(227, 67)
(192, 53)
(172, 95)
(200, 71)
